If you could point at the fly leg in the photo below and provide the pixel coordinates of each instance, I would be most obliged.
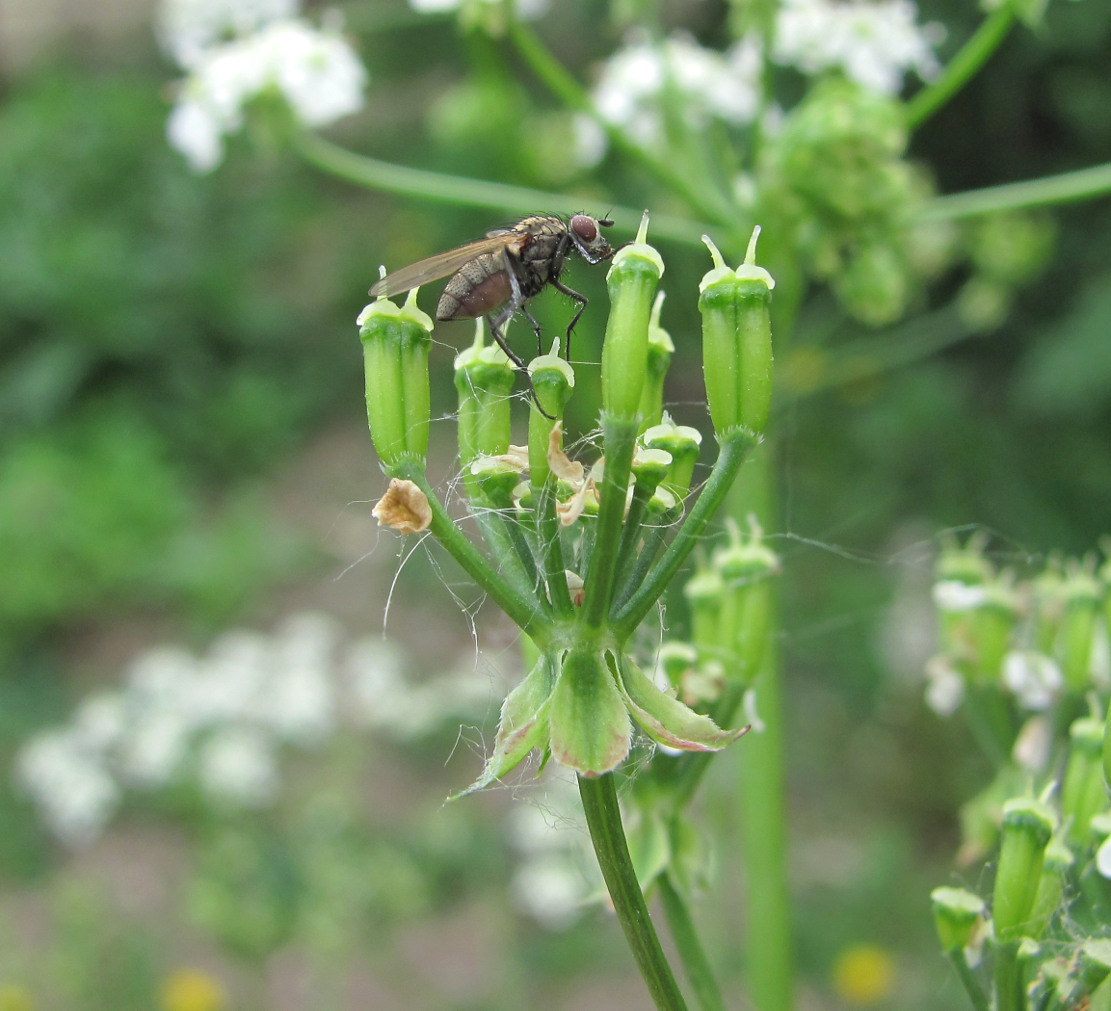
(581, 299)
(496, 323)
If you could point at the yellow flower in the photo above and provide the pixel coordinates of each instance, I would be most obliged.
(14, 997)
(863, 974)
(192, 990)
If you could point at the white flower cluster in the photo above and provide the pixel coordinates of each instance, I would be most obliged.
(220, 721)
(235, 51)
(874, 42)
(708, 84)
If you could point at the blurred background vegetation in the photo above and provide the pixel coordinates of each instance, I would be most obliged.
(182, 448)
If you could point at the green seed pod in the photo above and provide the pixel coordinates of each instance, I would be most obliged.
(957, 912)
(396, 340)
(553, 379)
(632, 280)
(736, 341)
(484, 378)
(1028, 825)
(683, 443)
(660, 350)
(1082, 595)
(746, 568)
(1082, 794)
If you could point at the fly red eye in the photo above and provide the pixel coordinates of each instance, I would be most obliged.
(584, 227)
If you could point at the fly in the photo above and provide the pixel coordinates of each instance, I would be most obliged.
(495, 276)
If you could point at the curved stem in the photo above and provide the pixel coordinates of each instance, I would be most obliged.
(524, 611)
(735, 447)
(439, 186)
(572, 95)
(968, 980)
(1082, 184)
(603, 818)
(963, 66)
(694, 959)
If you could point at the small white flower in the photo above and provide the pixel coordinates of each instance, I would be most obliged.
(315, 71)
(74, 792)
(712, 85)
(381, 695)
(156, 747)
(944, 685)
(238, 765)
(187, 28)
(1033, 677)
(954, 596)
(101, 721)
(874, 42)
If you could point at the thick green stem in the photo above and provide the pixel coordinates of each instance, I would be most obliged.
(523, 610)
(735, 447)
(694, 959)
(443, 188)
(764, 843)
(1008, 977)
(603, 819)
(963, 66)
(1083, 184)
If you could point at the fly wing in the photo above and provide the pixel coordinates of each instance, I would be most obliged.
(439, 265)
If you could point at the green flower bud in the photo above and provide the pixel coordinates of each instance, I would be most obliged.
(1083, 794)
(745, 622)
(957, 913)
(650, 467)
(683, 443)
(1028, 825)
(632, 280)
(1094, 968)
(737, 341)
(484, 378)
(660, 350)
(496, 478)
(396, 341)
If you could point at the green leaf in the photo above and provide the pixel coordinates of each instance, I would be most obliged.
(590, 727)
(667, 720)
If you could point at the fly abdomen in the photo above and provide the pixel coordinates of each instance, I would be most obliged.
(479, 288)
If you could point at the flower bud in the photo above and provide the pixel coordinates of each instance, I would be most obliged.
(1051, 887)
(957, 913)
(705, 593)
(737, 341)
(660, 350)
(484, 379)
(1028, 826)
(632, 280)
(395, 342)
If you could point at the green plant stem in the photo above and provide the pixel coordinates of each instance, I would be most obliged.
(555, 574)
(1082, 184)
(1008, 977)
(963, 66)
(619, 442)
(630, 577)
(968, 980)
(603, 819)
(697, 965)
(443, 188)
(687, 774)
(735, 447)
(764, 843)
(523, 610)
(571, 94)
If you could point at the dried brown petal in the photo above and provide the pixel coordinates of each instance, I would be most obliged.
(403, 508)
